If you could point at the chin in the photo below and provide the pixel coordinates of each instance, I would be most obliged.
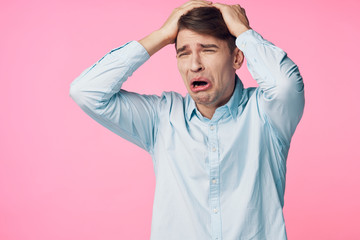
(203, 100)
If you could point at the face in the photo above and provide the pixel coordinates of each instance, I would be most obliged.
(207, 67)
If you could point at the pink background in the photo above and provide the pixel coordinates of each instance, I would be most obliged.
(63, 176)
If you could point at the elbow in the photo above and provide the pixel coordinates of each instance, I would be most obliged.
(291, 78)
(74, 93)
(86, 99)
(290, 82)
(77, 95)
(291, 85)
(290, 90)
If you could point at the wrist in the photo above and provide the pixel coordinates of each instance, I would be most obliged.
(241, 30)
(154, 42)
(164, 37)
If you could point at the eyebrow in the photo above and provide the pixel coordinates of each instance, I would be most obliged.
(183, 48)
(209, 46)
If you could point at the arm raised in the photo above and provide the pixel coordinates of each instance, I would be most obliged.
(281, 89)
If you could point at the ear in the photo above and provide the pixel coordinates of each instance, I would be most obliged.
(238, 58)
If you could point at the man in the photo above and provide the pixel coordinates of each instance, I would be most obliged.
(219, 153)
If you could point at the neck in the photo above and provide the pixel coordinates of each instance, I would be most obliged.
(209, 110)
(206, 111)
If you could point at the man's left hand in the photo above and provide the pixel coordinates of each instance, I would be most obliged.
(234, 17)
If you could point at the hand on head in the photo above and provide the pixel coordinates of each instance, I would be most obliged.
(170, 27)
(234, 17)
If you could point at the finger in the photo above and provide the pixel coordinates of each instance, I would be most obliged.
(197, 3)
(192, 2)
(218, 5)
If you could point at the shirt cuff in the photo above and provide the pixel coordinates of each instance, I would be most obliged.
(132, 52)
(248, 37)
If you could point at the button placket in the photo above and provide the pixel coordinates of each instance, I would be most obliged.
(214, 194)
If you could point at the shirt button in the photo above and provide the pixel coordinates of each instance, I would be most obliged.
(212, 127)
(213, 181)
(213, 149)
(243, 45)
(215, 210)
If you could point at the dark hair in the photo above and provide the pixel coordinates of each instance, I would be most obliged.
(209, 21)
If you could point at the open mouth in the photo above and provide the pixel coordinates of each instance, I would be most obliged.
(200, 84)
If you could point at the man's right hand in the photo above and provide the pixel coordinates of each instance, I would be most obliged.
(170, 27)
(168, 32)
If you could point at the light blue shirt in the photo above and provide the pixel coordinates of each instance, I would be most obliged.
(222, 178)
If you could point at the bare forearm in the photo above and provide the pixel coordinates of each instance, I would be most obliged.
(154, 42)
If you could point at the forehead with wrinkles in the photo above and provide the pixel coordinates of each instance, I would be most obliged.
(188, 39)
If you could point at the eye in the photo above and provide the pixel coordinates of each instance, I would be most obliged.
(183, 54)
(209, 50)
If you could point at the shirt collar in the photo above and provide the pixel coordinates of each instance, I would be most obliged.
(232, 105)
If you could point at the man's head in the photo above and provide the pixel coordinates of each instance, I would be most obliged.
(207, 21)
(207, 57)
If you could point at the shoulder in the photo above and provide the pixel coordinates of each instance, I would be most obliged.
(249, 101)
(168, 99)
(248, 94)
(172, 95)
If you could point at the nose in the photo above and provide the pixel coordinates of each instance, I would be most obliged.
(196, 64)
